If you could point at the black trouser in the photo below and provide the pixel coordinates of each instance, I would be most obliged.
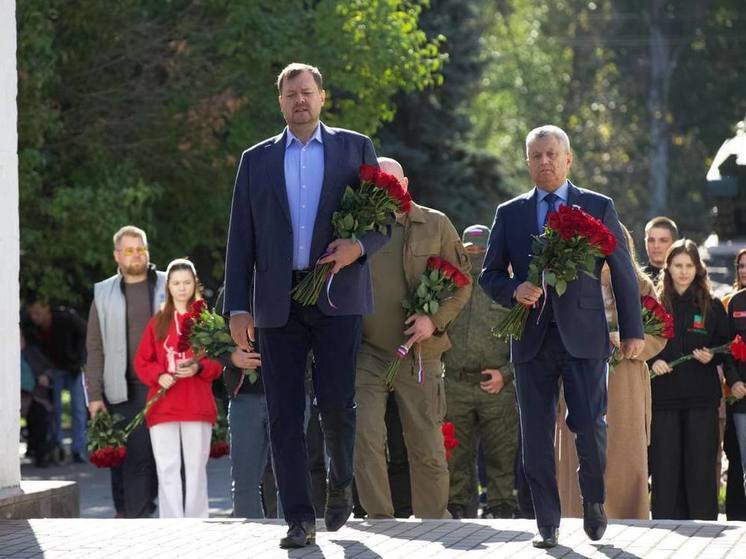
(683, 459)
(584, 384)
(735, 500)
(398, 468)
(334, 341)
(316, 461)
(37, 421)
(139, 477)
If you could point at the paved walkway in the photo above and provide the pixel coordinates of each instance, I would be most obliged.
(216, 538)
(98, 535)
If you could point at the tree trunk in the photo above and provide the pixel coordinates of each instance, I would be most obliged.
(661, 68)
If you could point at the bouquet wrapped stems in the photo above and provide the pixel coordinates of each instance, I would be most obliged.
(140, 417)
(393, 367)
(514, 323)
(307, 292)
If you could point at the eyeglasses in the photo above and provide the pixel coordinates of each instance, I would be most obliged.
(130, 251)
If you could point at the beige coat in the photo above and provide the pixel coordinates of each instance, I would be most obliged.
(628, 418)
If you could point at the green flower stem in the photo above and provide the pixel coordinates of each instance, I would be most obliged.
(725, 348)
(391, 370)
(138, 419)
(308, 290)
(513, 324)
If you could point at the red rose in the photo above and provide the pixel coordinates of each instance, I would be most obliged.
(197, 307)
(434, 263)
(649, 303)
(449, 438)
(108, 457)
(218, 449)
(369, 173)
(460, 279)
(405, 205)
(447, 269)
(738, 349)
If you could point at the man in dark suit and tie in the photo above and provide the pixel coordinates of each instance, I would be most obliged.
(286, 191)
(568, 340)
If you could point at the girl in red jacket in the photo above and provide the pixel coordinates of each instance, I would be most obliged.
(180, 422)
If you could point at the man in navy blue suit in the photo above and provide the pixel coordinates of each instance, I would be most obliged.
(566, 340)
(286, 191)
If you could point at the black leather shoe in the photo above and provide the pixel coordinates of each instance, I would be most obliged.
(300, 534)
(594, 520)
(547, 537)
(338, 508)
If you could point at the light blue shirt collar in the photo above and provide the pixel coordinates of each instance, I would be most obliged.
(293, 138)
(561, 192)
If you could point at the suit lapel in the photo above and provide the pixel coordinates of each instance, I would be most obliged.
(332, 151)
(276, 173)
(331, 160)
(574, 196)
(530, 222)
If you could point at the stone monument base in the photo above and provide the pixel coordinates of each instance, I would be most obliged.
(40, 499)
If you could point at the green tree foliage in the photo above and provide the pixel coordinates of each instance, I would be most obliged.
(431, 133)
(586, 66)
(137, 111)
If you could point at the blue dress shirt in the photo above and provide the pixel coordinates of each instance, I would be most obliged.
(541, 207)
(304, 178)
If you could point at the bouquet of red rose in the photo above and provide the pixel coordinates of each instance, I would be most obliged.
(655, 321)
(372, 207)
(571, 242)
(449, 438)
(106, 442)
(736, 348)
(206, 333)
(440, 280)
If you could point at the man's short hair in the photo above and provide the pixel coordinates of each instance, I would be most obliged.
(130, 231)
(548, 130)
(663, 222)
(295, 68)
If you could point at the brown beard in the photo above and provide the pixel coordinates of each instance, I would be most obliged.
(135, 269)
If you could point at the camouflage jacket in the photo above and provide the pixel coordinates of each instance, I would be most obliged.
(474, 347)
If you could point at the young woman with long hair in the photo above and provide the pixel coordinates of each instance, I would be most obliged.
(685, 437)
(180, 422)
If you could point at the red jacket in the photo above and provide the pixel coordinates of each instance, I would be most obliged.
(190, 399)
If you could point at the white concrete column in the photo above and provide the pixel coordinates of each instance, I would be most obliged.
(10, 470)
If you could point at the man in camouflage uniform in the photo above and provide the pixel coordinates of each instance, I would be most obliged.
(480, 397)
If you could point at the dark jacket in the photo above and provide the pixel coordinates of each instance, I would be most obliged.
(64, 343)
(579, 312)
(691, 384)
(737, 322)
(259, 257)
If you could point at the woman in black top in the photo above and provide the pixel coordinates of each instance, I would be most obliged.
(684, 438)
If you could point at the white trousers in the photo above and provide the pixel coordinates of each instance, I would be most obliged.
(170, 440)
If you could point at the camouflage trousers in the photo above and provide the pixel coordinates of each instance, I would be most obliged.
(489, 420)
